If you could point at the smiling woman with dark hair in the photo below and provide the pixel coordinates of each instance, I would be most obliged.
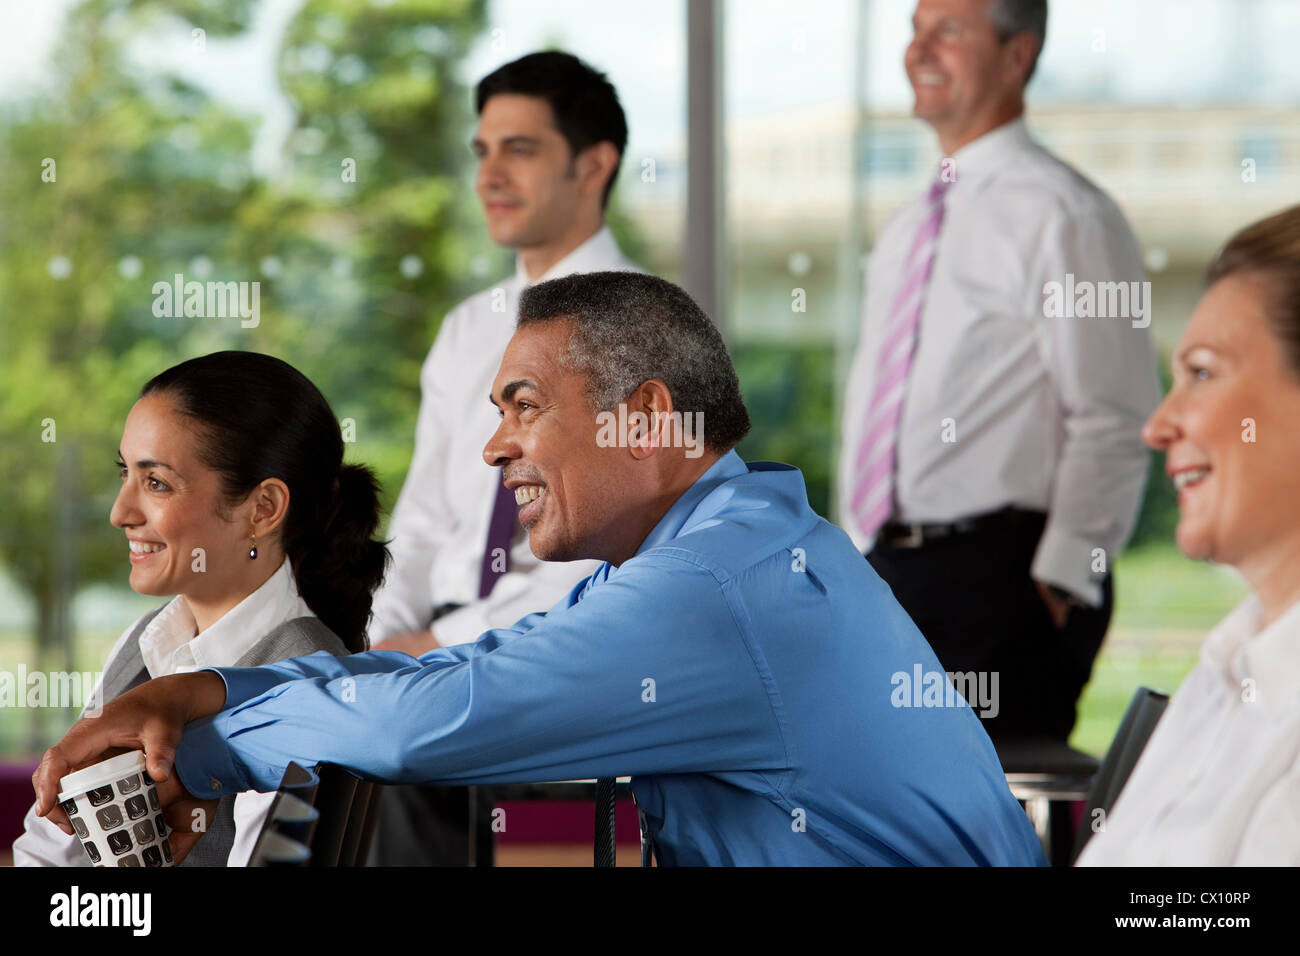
(1219, 781)
(234, 498)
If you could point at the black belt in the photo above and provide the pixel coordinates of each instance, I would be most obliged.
(442, 609)
(896, 535)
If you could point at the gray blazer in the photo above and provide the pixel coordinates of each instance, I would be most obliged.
(296, 638)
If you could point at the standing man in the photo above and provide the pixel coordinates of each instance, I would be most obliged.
(991, 448)
(550, 138)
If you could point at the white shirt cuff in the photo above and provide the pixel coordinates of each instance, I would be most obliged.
(1067, 561)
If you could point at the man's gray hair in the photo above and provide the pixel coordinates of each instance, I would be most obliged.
(628, 328)
(1020, 16)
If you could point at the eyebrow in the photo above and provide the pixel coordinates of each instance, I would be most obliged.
(508, 392)
(1181, 354)
(149, 463)
(508, 141)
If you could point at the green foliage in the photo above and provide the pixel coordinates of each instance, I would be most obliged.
(100, 172)
(150, 178)
(790, 395)
(377, 154)
(1159, 514)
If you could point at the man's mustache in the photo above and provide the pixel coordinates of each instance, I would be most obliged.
(523, 475)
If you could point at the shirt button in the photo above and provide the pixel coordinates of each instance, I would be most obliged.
(215, 784)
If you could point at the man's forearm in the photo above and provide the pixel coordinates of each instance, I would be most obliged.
(204, 755)
(558, 697)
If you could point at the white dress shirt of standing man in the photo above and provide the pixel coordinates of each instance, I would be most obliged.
(549, 142)
(992, 464)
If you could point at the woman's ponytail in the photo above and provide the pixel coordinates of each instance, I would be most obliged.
(339, 567)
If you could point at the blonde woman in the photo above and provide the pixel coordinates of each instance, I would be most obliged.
(1219, 781)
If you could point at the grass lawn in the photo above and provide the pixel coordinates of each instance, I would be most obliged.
(1165, 605)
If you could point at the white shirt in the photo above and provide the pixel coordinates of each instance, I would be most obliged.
(1219, 781)
(440, 522)
(169, 645)
(1046, 413)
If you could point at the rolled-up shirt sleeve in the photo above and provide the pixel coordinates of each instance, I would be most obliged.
(646, 671)
(1104, 370)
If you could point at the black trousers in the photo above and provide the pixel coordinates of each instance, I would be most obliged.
(433, 826)
(971, 595)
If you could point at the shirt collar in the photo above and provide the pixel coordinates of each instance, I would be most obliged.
(1237, 649)
(988, 153)
(594, 255)
(1272, 658)
(670, 525)
(169, 644)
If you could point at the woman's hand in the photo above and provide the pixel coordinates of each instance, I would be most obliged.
(152, 718)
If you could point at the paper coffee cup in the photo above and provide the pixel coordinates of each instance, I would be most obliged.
(113, 806)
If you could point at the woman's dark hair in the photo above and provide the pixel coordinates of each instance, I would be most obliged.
(259, 418)
(1269, 250)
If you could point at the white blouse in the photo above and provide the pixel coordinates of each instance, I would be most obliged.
(169, 645)
(1219, 781)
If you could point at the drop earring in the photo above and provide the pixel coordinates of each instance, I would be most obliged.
(252, 551)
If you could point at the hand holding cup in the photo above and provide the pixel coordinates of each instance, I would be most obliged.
(151, 718)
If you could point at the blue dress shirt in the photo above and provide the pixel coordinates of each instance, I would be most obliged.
(740, 667)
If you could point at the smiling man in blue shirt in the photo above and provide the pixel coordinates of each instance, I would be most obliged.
(734, 655)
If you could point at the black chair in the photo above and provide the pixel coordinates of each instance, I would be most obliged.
(286, 842)
(343, 801)
(337, 831)
(1047, 776)
(1144, 712)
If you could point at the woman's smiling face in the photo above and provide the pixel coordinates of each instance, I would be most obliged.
(1228, 431)
(170, 506)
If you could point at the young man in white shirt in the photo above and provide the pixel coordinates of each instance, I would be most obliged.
(992, 459)
(549, 142)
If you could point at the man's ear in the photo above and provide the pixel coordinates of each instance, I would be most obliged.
(596, 165)
(270, 501)
(1020, 53)
(649, 414)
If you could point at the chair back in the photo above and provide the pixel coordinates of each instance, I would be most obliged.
(288, 828)
(1140, 720)
(328, 812)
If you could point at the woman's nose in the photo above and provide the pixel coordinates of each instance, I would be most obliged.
(123, 513)
(1161, 429)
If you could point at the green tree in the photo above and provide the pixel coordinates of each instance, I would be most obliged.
(148, 177)
(97, 186)
(373, 211)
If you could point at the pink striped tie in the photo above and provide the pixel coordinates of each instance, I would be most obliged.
(873, 499)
